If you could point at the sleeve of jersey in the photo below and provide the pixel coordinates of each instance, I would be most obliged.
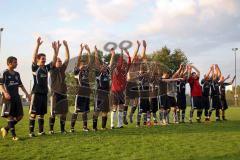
(49, 66)
(34, 67)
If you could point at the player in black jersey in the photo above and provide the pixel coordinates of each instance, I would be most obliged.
(144, 105)
(223, 85)
(12, 108)
(206, 84)
(181, 92)
(81, 72)
(103, 77)
(215, 93)
(39, 102)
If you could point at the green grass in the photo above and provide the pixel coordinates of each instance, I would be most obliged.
(207, 141)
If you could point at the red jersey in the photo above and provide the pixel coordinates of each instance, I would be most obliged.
(196, 88)
(119, 76)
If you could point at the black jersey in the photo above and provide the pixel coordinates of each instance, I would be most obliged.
(181, 87)
(103, 80)
(144, 85)
(206, 85)
(223, 89)
(40, 77)
(82, 77)
(11, 81)
(162, 87)
(215, 90)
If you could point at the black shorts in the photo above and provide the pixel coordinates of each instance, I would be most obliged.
(196, 102)
(38, 104)
(12, 108)
(206, 102)
(144, 105)
(59, 104)
(163, 102)
(82, 104)
(216, 102)
(132, 90)
(102, 101)
(171, 102)
(224, 104)
(154, 105)
(181, 102)
(118, 98)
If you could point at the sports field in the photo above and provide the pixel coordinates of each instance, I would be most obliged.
(213, 140)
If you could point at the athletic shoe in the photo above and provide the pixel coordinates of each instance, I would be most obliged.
(120, 127)
(51, 132)
(41, 133)
(155, 123)
(112, 127)
(144, 123)
(32, 135)
(15, 138)
(95, 129)
(218, 120)
(104, 129)
(64, 132)
(4, 132)
(138, 126)
(85, 129)
(125, 121)
(72, 130)
(199, 120)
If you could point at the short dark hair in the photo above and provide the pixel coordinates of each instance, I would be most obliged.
(11, 59)
(41, 55)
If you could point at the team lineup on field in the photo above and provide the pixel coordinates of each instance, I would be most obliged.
(150, 93)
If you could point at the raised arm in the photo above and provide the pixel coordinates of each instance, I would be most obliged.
(112, 52)
(218, 71)
(39, 42)
(136, 51)
(67, 54)
(88, 54)
(55, 46)
(177, 73)
(209, 72)
(80, 55)
(129, 58)
(96, 58)
(144, 57)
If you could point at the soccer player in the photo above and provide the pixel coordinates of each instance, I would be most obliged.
(12, 108)
(82, 102)
(154, 92)
(206, 83)
(132, 90)
(59, 102)
(181, 92)
(39, 102)
(223, 85)
(119, 81)
(215, 93)
(196, 92)
(144, 106)
(103, 77)
(132, 86)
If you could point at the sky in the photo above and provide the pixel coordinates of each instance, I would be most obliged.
(206, 30)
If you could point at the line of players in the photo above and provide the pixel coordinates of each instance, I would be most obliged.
(135, 81)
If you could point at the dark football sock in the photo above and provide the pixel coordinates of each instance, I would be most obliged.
(51, 123)
(73, 120)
